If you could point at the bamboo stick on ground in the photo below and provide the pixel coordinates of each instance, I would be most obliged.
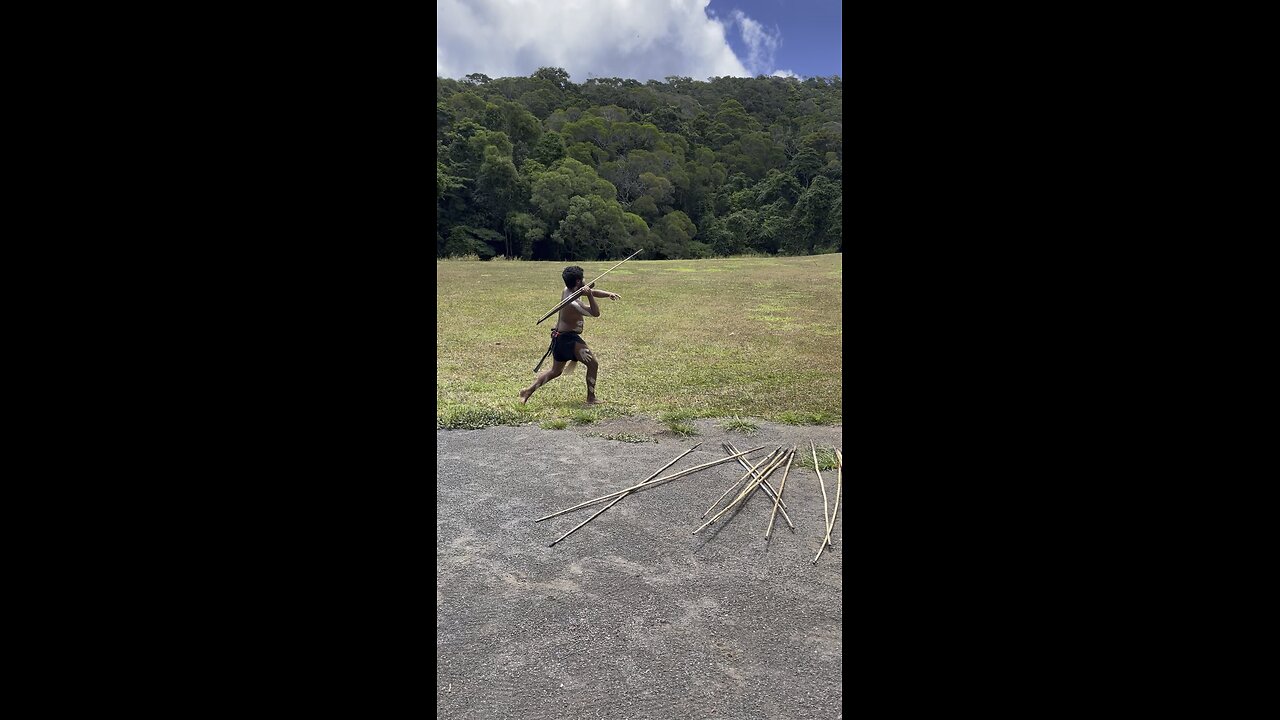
(839, 482)
(763, 471)
(782, 486)
(619, 498)
(649, 484)
(777, 459)
(737, 483)
(832, 520)
(768, 489)
(744, 494)
(826, 520)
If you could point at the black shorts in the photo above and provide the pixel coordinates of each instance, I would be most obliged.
(564, 345)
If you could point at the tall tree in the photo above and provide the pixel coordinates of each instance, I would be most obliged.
(811, 218)
(593, 228)
(552, 190)
(688, 167)
(558, 77)
(498, 189)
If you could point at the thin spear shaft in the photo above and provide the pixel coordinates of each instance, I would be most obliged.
(744, 494)
(754, 483)
(839, 482)
(767, 487)
(832, 520)
(738, 482)
(619, 498)
(768, 490)
(649, 484)
(826, 520)
(586, 286)
(782, 486)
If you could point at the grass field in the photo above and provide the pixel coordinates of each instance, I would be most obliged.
(746, 337)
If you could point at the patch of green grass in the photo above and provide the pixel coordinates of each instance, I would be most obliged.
(826, 458)
(676, 422)
(607, 412)
(682, 428)
(737, 424)
(624, 437)
(807, 418)
(672, 343)
(471, 417)
(583, 417)
(557, 424)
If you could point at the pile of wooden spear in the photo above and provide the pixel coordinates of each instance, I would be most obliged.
(756, 478)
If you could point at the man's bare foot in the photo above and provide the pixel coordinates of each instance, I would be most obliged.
(593, 401)
(524, 396)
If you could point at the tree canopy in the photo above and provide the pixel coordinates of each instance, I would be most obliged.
(542, 168)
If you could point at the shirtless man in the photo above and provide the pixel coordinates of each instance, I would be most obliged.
(566, 339)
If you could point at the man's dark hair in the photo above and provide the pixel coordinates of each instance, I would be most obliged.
(571, 275)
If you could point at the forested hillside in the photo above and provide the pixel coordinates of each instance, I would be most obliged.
(545, 169)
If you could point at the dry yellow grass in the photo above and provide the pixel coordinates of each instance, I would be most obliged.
(752, 337)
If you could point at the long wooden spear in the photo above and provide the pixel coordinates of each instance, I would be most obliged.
(839, 482)
(781, 487)
(758, 474)
(738, 482)
(826, 521)
(619, 498)
(649, 484)
(585, 286)
(835, 509)
(744, 494)
(768, 489)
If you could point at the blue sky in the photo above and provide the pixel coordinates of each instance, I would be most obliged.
(639, 39)
(808, 32)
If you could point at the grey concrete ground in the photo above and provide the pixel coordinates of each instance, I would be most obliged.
(631, 616)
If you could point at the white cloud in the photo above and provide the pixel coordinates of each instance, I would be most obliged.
(761, 43)
(640, 39)
(786, 73)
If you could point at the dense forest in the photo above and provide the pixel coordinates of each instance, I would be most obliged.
(541, 168)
